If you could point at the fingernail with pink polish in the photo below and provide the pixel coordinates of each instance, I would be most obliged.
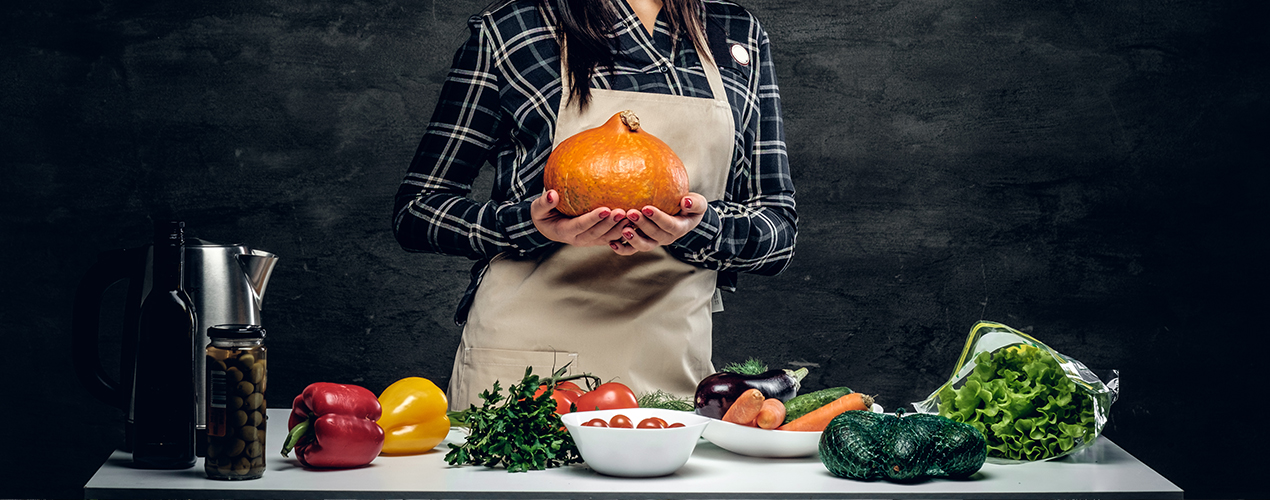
(604, 214)
(549, 199)
(634, 216)
(648, 212)
(687, 202)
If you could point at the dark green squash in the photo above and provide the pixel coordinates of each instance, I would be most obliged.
(864, 445)
(803, 404)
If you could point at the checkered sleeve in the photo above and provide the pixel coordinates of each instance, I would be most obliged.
(432, 210)
(753, 230)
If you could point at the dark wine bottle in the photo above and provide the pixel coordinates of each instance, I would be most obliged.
(164, 406)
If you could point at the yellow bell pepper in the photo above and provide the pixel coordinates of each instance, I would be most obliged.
(414, 417)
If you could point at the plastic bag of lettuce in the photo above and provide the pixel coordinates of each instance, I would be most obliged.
(1029, 401)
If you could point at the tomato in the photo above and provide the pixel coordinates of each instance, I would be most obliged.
(676, 424)
(620, 421)
(570, 386)
(595, 422)
(651, 423)
(610, 396)
(563, 398)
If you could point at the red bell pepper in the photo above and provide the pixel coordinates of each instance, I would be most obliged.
(332, 426)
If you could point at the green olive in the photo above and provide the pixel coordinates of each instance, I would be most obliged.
(256, 418)
(215, 364)
(255, 449)
(235, 403)
(255, 400)
(237, 448)
(233, 375)
(245, 388)
(248, 433)
(240, 418)
(247, 359)
(258, 372)
(242, 466)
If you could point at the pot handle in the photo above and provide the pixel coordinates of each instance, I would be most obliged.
(111, 267)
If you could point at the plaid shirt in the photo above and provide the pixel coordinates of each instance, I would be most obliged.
(499, 105)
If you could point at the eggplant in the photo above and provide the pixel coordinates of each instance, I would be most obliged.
(716, 393)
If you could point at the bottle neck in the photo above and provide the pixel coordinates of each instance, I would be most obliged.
(169, 257)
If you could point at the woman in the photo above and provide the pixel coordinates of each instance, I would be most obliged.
(624, 293)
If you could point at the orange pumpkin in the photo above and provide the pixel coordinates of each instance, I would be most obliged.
(616, 165)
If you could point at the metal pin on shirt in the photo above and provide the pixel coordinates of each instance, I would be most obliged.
(740, 54)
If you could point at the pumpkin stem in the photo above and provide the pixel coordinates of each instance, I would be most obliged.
(630, 120)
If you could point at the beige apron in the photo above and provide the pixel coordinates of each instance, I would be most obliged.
(642, 320)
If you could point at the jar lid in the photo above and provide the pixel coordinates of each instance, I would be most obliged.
(236, 332)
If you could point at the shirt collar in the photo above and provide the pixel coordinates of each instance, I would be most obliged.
(635, 43)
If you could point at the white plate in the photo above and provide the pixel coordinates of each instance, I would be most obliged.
(756, 442)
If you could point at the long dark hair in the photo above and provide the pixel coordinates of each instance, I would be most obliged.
(586, 24)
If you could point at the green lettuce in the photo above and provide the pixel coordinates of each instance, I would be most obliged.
(1023, 403)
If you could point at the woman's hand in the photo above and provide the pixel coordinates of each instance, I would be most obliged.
(597, 227)
(654, 228)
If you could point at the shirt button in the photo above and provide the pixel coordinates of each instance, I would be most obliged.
(664, 68)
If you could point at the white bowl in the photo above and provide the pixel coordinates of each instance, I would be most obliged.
(636, 452)
(756, 442)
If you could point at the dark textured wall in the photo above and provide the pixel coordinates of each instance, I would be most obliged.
(1092, 172)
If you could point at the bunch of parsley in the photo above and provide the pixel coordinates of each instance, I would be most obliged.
(518, 432)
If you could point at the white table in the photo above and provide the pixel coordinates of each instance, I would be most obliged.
(1103, 471)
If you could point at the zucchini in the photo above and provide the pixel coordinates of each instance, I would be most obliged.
(803, 404)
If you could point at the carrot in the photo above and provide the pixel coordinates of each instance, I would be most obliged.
(818, 419)
(745, 408)
(771, 415)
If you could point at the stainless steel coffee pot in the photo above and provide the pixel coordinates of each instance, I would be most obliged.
(225, 282)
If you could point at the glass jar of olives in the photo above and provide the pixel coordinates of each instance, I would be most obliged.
(236, 380)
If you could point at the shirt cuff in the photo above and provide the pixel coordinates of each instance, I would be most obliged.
(518, 227)
(694, 246)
